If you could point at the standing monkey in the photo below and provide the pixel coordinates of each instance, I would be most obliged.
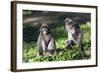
(75, 34)
(46, 41)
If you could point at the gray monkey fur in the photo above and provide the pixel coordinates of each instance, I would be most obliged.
(75, 34)
(46, 42)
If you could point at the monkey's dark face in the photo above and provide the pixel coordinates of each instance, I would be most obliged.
(68, 21)
(44, 30)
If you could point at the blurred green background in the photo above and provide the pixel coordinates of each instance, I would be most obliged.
(31, 23)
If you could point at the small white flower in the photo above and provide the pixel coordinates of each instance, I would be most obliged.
(30, 60)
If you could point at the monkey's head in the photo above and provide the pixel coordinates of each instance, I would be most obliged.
(71, 23)
(44, 30)
(68, 21)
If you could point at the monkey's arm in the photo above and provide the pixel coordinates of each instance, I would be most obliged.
(39, 45)
(78, 37)
(51, 45)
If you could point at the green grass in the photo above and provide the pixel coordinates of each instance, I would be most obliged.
(31, 54)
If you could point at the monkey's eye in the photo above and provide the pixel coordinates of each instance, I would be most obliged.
(70, 22)
(44, 29)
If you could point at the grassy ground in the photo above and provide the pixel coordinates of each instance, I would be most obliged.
(30, 51)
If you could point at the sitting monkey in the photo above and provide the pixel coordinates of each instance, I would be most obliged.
(46, 41)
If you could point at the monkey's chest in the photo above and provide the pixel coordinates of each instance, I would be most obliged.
(70, 36)
(71, 30)
(47, 38)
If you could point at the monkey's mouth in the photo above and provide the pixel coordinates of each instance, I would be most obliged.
(67, 24)
(44, 32)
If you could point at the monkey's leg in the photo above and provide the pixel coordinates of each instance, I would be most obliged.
(39, 45)
(70, 41)
(70, 44)
(51, 47)
(41, 52)
(44, 47)
(79, 43)
(81, 49)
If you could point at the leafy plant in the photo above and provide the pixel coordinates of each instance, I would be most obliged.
(31, 54)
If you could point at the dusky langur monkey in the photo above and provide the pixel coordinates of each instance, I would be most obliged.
(46, 41)
(75, 34)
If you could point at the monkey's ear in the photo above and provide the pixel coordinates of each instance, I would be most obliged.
(76, 25)
(65, 20)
